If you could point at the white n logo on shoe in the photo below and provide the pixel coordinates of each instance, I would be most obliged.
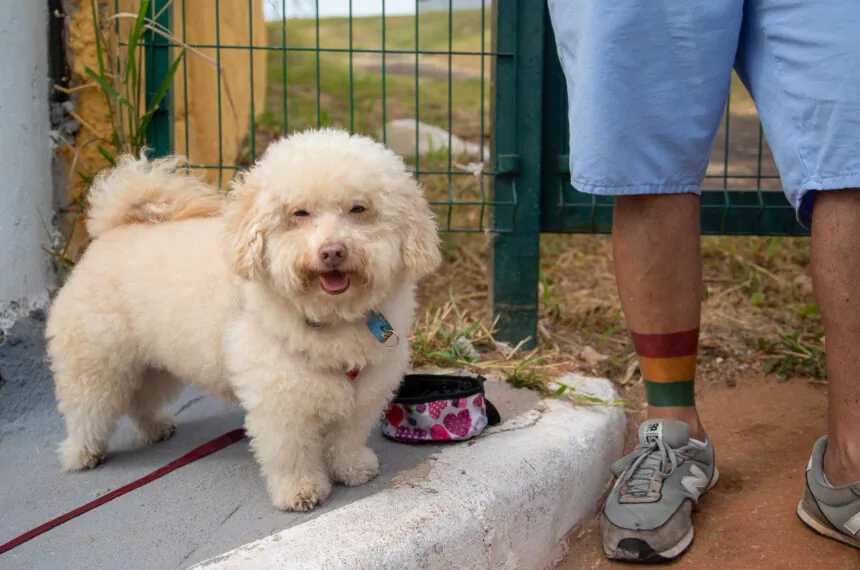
(653, 433)
(852, 525)
(696, 481)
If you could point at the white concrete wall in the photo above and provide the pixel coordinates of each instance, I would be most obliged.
(25, 158)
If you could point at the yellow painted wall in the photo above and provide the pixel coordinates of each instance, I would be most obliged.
(202, 113)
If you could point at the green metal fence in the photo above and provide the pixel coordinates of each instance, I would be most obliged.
(368, 75)
(486, 73)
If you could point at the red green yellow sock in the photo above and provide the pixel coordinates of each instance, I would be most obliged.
(668, 366)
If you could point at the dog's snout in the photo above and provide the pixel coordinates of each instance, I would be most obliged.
(332, 253)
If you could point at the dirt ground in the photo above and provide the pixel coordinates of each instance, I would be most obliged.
(763, 430)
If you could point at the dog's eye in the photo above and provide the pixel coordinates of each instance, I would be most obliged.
(301, 213)
(358, 210)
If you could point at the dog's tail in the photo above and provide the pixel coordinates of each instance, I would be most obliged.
(139, 191)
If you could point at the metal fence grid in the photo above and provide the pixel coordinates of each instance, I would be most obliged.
(370, 75)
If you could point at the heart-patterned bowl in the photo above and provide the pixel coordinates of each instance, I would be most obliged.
(438, 408)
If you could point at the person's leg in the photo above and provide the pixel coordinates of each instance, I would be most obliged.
(831, 497)
(647, 84)
(836, 279)
(798, 60)
(656, 246)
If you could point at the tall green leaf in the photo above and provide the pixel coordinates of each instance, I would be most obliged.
(134, 40)
(96, 29)
(108, 156)
(107, 88)
(116, 142)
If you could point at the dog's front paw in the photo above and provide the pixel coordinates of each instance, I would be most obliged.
(355, 468)
(74, 458)
(300, 496)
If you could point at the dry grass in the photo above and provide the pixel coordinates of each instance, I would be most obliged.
(448, 337)
(757, 310)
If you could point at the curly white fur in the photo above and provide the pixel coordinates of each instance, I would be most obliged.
(163, 297)
(140, 191)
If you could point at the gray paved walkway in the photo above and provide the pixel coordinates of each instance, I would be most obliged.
(195, 513)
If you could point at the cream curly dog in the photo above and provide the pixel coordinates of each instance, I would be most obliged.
(271, 296)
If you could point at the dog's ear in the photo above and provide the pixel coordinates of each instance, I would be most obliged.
(245, 231)
(421, 251)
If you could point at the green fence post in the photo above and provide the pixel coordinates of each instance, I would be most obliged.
(516, 138)
(159, 132)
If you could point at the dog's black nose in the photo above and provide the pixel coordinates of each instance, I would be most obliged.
(332, 253)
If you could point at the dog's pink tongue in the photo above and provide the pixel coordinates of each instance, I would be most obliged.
(334, 282)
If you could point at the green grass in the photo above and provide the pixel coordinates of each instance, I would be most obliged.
(361, 107)
(526, 375)
(445, 336)
(433, 32)
(794, 355)
(337, 90)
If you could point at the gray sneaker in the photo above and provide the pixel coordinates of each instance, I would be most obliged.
(647, 514)
(830, 511)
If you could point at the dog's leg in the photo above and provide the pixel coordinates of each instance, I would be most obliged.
(349, 459)
(157, 389)
(288, 447)
(91, 400)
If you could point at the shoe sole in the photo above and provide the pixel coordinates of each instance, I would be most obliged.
(637, 550)
(823, 530)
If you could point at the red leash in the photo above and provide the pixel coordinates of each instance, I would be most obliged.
(216, 444)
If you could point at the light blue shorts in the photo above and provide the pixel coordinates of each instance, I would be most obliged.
(648, 81)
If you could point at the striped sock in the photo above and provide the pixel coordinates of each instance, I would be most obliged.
(668, 366)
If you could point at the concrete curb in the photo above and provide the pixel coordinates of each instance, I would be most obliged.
(506, 500)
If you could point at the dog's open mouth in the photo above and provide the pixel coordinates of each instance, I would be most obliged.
(334, 282)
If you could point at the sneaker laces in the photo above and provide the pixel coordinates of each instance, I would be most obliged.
(646, 459)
